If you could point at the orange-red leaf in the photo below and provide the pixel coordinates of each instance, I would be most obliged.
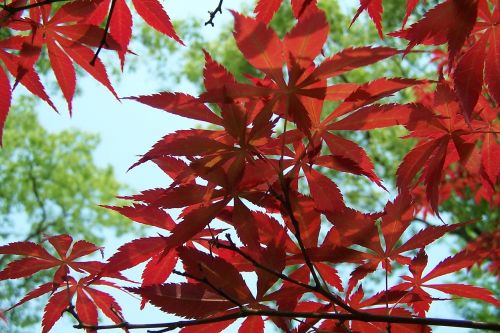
(260, 45)
(450, 21)
(375, 9)
(86, 309)
(5, 97)
(153, 13)
(324, 191)
(265, 9)
(253, 324)
(466, 291)
(305, 41)
(53, 311)
(374, 116)
(349, 59)
(64, 71)
(180, 104)
(121, 27)
(183, 299)
(492, 73)
(216, 271)
(468, 76)
(135, 252)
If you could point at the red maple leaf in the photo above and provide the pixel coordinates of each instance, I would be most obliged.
(449, 22)
(265, 9)
(37, 258)
(416, 282)
(443, 132)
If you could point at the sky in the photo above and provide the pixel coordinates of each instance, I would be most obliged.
(128, 129)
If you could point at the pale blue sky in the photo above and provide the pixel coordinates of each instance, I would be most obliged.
(129, 129)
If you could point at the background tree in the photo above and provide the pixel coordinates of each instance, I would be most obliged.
(50, 184)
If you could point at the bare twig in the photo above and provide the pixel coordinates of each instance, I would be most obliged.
(212, 14)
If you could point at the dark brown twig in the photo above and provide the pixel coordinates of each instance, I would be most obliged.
(212, 14)
(14, 10)
(245, 312)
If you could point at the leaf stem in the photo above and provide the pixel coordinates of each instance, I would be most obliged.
(105, 34)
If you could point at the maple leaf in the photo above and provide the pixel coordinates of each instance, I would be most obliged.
(37, 258)
(449, 265)
(190, 300)
(30, 78)
(443, 142)
(252, 324)
(153, 13)
(121, 28)
(215, 271)
(450, 21)
(482, 56)
(88, 298)
(265, 9)
(135, 252)
(300, 97)
(5, 99)
(88, 301)
(410, 6)
(143, 249)
(395, 220)
(54, 309)
(181, 105)
(375, 9)
(68, 39)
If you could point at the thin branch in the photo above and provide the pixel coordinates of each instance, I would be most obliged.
(418, 219)
(288, 207)
(387, 295)
(333, 298)
(102, 43)
(13, 10)
(257, 264)
(243, 313)
(205, 281)
(71, 310)
(212, 14)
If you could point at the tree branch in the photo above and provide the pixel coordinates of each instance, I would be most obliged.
(243, 313)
